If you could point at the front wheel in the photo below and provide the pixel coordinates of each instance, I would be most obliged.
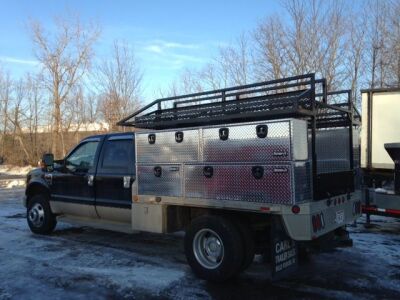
(214, 248)
(40, 218)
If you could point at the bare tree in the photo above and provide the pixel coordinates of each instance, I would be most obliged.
(6, 86)
(234, 62)
(269, 57)
(65, 57)
(119, 82)
(354, 57)
(311, 40)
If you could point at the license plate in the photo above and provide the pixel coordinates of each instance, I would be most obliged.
(339, 217)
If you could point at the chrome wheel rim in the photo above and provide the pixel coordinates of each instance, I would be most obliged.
(36, 215)
(208, 248)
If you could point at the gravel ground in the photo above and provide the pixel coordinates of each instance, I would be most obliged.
(84, 263)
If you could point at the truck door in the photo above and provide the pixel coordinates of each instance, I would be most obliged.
(71, 188)
(114, 178)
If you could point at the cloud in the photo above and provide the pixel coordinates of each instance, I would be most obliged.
(15, 60)
(154, 48)
(178, 45)
(160, 46)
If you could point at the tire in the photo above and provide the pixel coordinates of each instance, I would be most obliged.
(249, 246)
(223, 257)
(40, 218)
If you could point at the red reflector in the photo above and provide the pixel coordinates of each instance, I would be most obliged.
(264, 208)
(318, 221)
(295, 209)
(314, 223)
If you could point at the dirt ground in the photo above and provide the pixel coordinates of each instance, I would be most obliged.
(84, 263)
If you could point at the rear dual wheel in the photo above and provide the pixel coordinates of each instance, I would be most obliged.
(216, 247)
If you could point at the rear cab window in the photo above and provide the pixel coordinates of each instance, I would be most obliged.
(118, 155)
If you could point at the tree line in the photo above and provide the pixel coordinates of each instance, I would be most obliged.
(352, 45)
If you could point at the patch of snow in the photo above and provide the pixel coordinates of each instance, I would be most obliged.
(15, 183)
(15, 170)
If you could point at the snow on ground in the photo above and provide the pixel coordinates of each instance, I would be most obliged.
(14, 170)
(84, 263)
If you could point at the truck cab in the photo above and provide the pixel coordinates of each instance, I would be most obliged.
(93, 182)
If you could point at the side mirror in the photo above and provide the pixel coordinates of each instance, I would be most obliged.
(48, 161)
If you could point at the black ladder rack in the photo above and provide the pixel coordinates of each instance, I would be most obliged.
(287, 97)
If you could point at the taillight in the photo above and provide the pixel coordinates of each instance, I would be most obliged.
(318, 222)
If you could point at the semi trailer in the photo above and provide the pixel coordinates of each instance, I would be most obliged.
(264, 168)
(380, 159)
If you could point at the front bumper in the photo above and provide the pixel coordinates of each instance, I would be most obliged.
(335, 213)
(25, 201)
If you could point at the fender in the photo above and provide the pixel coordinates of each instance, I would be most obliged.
(36, 184)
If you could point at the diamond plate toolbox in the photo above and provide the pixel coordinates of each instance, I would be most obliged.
(245, 144)
(166, 148)
(262, 162)
(276, 183)
(268, 141)
(162, 180)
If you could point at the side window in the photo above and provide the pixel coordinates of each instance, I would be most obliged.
(119, 155)
(82, 159)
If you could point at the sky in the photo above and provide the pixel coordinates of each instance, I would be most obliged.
(166, 36)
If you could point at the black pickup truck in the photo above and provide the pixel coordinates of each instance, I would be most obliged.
(274, 180)
(92, 182)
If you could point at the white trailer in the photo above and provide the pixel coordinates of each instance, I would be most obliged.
(379, 135)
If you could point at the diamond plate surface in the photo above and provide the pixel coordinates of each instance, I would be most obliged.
(332, 148)
(236, 182)
(302, 181)
(168, 184)
(243, 144)
(166, 149)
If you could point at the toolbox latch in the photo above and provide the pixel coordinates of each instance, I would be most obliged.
(208, 171)
(258, 172)
(262, 131)
(179, 136)
(157, 171)
(224, 133)
(151, 138)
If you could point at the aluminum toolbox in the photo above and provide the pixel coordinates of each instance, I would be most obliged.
(173, 162)
(285, 140)
(160, 180)
(287, 183)
(165, 148)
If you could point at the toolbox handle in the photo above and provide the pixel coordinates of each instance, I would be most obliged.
(157, 171)
(179, 136)
(151, 138)
(208, 171)
(257, 171)
(223, 133)
(262, 131)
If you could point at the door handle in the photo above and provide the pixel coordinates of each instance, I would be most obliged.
(49, 178)
(90, 180)
(127, 182)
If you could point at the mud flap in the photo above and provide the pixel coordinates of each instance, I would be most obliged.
(284, 251)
